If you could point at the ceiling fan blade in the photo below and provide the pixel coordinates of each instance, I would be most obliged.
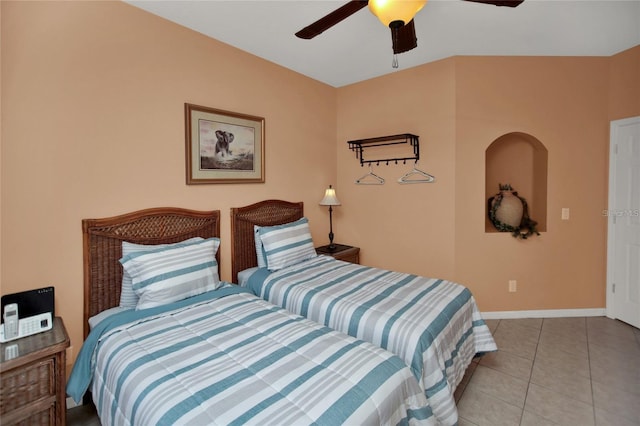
(404, 38)
(508, 3)
(328, 21)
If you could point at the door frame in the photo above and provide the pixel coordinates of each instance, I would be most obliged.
(614, 127)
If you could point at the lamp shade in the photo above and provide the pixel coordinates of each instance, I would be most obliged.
(330, 198)
(392, 11)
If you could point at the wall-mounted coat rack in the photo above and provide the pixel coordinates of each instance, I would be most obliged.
(359, 146)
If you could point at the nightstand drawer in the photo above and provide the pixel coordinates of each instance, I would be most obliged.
(39, 414)
(27, 385)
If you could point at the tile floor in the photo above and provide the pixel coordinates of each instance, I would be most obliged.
(557, 371)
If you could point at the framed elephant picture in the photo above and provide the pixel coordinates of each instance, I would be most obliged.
(223, 146)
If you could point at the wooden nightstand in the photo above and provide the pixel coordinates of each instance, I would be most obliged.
(341, 252)
(33, 378)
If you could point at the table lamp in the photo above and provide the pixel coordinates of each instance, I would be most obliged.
(330, 200)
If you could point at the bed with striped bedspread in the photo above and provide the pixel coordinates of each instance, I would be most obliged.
(433, 325)
(227, 357)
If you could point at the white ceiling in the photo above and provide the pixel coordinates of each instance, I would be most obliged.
(359, 47)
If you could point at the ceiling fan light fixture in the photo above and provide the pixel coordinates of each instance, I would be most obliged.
(395, 13)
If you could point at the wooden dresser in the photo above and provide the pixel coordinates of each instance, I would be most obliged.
(33, 378)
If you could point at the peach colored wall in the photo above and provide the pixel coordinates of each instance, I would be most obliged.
(563, 103)
(624, 84)
(458, 107)
(401, 227)
(93, 125)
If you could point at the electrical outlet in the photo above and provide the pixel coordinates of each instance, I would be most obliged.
(565, 213)
(513, 286)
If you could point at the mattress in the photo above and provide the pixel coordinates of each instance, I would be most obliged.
(228, 357)
(433, 325)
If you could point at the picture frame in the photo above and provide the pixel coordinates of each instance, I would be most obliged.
(223, 146)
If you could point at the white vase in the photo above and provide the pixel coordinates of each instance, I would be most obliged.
(510, 209)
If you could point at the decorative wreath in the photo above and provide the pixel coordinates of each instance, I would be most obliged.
(527, 225)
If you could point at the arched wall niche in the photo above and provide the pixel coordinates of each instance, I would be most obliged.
(520, 160)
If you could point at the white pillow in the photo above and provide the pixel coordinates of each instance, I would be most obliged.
(287, 244)
(128, 298)
(171, 274)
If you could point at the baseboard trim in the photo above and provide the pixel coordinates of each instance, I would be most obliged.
(546, 313)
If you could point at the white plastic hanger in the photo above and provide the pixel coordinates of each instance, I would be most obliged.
(373, 179)
(416, 176)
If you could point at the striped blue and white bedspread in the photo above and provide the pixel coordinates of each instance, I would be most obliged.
(240, 360)
(433, 325)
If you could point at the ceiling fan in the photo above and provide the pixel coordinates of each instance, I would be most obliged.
(398, 15)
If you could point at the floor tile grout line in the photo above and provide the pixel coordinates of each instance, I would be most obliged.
(535, 355)
(591, 374)
(544, 387)
(590, 380)
(584, 328)
(533, 362)
(593, 398)
(528, 381)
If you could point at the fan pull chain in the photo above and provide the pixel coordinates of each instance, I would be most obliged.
(394, 62)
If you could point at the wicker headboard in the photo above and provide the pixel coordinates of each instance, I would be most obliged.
(102, 247)
(264, 213)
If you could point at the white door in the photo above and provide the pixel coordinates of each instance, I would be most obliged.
(623, 245)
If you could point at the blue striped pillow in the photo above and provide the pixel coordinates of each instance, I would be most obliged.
(174, 273)
(287, 244)
(260, 254)
(128, 298)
